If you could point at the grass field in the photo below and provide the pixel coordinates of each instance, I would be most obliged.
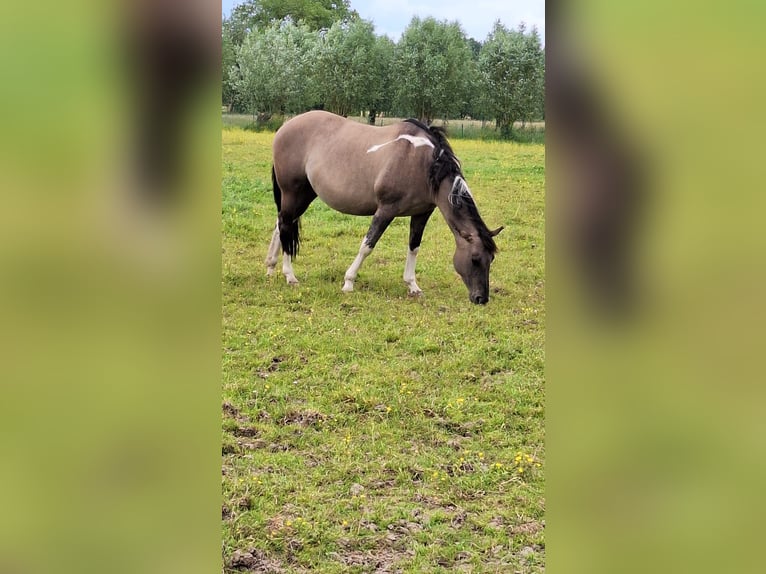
(372, 432)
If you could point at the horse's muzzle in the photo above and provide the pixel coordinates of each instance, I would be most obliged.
(479, 299)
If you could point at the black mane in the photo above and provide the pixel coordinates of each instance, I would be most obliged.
(446, 164)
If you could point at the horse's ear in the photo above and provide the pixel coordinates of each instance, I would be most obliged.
(496, 231)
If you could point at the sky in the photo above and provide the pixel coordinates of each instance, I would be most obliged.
(477, 17)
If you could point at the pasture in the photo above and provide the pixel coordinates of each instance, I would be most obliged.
(370, 431)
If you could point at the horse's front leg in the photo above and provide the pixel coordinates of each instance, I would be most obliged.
(380, 221)
(417, 226)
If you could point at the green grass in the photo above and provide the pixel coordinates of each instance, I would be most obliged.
(370, 431)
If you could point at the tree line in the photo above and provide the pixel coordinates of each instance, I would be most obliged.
(286, 58)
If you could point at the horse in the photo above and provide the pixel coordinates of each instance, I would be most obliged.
(403, 169)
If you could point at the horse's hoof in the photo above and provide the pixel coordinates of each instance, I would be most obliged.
(417, 293)
(269, 271)
(348, 287)
(292, 281)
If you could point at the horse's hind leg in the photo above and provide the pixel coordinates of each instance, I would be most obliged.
(417, 226)
(380, 221)
(273, 254)
(288, 223)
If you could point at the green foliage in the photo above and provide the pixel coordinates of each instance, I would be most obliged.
(271, 64)
(380, 96)
(228, 67)
(265, 123)
(315, 14)
(512, 68)
(347, 71)
(434, 69)
(274, 66)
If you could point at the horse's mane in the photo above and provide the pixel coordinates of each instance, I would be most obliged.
(446, 164)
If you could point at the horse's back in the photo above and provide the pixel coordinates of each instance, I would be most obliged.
(349, 164)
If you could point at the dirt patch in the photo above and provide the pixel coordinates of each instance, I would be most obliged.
(380, 561)
(458, 520)
(245, 431)
(427, 500)
(232, 412)
(465, 429)
(402, 529)
(464, 467)
(254, 560)
(532, 527)
(252, 445)
(272, 367)
(303, 418)
(382, 484)
(496, 523)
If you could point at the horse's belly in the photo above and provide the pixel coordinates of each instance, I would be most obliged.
(349, 203)
(344, 196)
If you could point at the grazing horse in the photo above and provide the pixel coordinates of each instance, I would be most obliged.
(405, 169)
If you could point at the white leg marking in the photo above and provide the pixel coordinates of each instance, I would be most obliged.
(409, 272)
(364, 251)
(287, 269)
(273, 254)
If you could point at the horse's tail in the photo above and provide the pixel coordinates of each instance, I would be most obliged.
(289, 234)
(289, 228)
(277, 190)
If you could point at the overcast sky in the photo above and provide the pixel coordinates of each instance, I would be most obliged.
(391, 17)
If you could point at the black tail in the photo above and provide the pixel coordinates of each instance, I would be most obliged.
(289, 234)
(277, 191)
(289, 227)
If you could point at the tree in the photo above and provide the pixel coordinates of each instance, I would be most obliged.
(433, 63)
(353, 68)
(228, 66)
(381, 84)
(274, 65)
(315, 14)
(512, 66)
(345, 69)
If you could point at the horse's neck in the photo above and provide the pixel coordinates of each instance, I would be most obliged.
(456, 219)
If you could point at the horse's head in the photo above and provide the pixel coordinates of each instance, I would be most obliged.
(473, 256)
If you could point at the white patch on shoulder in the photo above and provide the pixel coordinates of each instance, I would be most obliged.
(377, 147)
(416, 141)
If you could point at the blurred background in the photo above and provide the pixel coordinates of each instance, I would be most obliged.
(655, 262)
(110, 286)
